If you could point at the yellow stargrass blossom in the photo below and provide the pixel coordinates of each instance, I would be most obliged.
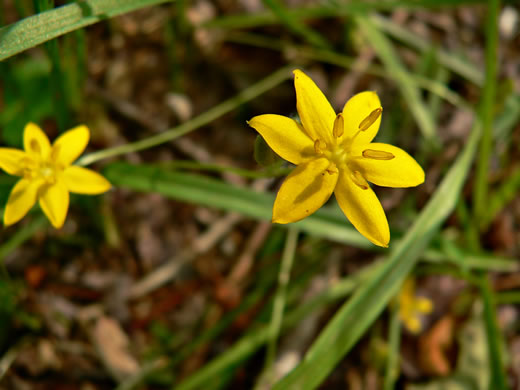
(334, 153)
(412, 307)
(47, 174)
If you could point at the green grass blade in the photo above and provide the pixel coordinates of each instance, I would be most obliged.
(494, 340)
(356, 315)
(37, 29)
(480, 191)
(455, 63)
(480, 188)
(505, 123)
(331, 57)
(327, 222)
(258, 19)
(296, 25)
(507, 190)
(226, 106)
(394, 342)
(409, 90)
(22, 234)
(280, 301)
(255, 340)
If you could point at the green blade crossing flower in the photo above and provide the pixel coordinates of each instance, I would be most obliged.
(47, 174)
(334, 153)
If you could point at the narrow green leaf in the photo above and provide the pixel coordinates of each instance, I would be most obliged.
(356, 315)
(486, 112)
(507, 190)
(451, 61)
(220, 109)
(328, 11)
(254, 340)
(327, 222)
(36, 29)
(394, 342)
(279, 303)
(505, 123)
(494, 337)
(295, 24)
(21, 235)
(405, 83)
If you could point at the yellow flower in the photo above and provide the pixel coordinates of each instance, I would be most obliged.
(48, 174)
(334, 153)
(411, 307)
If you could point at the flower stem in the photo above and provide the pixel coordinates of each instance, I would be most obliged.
(246, 95)
(486, 113)
(280, 297)
(392, 363)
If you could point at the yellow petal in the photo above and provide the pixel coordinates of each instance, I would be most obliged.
(54, 201)
(423, 305)
(400, 171)
(316, 113)
(21, 199)
(84, 181)
(413, 324)
(357, 109)
(304, 191)
(12, 160)
(285, 136)
(363, 209)
(69, 146)
(35, 142)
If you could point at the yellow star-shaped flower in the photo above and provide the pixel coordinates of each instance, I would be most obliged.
(412, 307)
(48, 174)
(334, 153)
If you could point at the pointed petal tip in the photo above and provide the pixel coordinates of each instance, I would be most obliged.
(278, 220)
(382, 244)
(56, 225)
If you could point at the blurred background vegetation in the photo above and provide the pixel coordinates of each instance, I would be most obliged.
(177, 279)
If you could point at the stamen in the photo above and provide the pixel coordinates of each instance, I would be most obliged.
(377, 154)
(318, 146)
(359, 180)
(332, 169)
(370, 119)
(35, 147)
(339, 126)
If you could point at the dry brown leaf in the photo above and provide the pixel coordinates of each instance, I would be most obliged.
(113, 346)
(433, 345)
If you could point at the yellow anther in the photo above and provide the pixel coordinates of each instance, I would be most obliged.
(370, 119)
(319, 146)
(332, 169)
(339, 126)
(377, 154)
(359, 180)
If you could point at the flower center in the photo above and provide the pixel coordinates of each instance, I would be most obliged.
(337, 152)
(44, 170)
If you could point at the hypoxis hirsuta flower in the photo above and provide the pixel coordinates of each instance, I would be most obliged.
(334, 153)
(47, 174)
(412, 307)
